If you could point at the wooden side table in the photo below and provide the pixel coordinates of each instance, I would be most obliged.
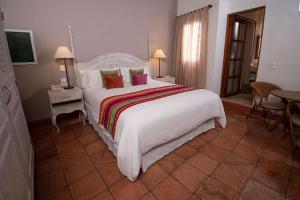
(66, 101)
(288, 96)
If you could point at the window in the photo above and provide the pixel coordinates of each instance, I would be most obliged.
(191, 40)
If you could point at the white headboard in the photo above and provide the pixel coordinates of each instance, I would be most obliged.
(111, 60)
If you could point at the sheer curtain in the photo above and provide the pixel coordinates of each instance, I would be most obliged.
(190, 57)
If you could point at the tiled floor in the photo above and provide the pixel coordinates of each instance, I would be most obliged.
(243, 161)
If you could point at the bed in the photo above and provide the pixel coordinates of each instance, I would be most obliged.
(148, 131)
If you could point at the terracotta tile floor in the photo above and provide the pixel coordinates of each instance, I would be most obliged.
(243, 161)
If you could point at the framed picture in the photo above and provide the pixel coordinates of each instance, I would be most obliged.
(21, 46)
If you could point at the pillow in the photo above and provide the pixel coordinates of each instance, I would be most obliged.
(126, 75)
(137, 71)
(93, 79)
(114, 82)
(139, 79)
(105, 73)
(82, 79)
(146, 71)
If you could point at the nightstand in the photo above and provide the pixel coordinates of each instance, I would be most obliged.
(66, 101)
(167, 79)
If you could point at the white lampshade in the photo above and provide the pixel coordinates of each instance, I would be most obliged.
(63, 52)
(159, 53)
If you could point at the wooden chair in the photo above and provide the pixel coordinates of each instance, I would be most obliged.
(294, 119)
(261, 92)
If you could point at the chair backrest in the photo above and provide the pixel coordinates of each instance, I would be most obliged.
(263, 89)
(289, 110)
(292, 108)
(298, 104)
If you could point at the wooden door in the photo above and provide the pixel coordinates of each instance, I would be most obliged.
(234, 55)
(19, 134)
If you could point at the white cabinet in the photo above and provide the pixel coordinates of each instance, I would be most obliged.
(13, 183)
(16, 152)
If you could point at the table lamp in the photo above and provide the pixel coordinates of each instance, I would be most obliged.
(159, 53)
(64, 53)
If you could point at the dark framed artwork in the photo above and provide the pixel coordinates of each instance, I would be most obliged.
(21, 46)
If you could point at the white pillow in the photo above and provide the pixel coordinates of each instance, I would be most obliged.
(93, 78)
(82, 78)
(126, 75)
(146, 71)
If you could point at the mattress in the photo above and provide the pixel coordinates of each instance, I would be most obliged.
(149, 125)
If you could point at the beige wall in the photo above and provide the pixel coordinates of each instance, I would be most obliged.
(99, 27)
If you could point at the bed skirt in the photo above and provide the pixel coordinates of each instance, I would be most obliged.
(156, 153)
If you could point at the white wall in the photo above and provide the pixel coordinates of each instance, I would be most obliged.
(280, 42)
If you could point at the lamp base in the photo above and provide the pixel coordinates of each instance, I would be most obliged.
(160, 77)
(68, 87)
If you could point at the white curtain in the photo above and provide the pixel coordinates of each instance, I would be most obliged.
(190, 57)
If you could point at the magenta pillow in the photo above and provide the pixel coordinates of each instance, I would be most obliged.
(139, 79)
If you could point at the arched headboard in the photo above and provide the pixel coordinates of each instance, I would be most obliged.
(111, 60)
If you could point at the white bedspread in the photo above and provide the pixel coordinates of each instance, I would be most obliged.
(142, 127)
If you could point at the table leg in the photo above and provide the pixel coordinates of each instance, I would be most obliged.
(285, 119)
(84, 117)
(54, 123)
(297, 147)
(272, 126)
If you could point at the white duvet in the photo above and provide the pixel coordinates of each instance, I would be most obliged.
(142, 127)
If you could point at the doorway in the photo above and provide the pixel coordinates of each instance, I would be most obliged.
(242, 54)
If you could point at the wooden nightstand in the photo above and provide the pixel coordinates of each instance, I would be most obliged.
(66, 101)
(167, 79)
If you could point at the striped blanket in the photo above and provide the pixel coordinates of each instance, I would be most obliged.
(112, 107)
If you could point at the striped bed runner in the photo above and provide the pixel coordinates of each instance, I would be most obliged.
(112, 107)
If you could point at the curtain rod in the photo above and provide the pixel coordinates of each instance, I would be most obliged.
(209, 6)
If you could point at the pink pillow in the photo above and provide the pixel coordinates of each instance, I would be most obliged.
(139, 79)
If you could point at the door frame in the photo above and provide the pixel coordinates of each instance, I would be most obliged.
(238, 61)
(228, 40)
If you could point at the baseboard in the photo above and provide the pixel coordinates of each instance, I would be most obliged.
(40, 122)
(48, 121)
(43, 122)
(244, 109)
(237, 107)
